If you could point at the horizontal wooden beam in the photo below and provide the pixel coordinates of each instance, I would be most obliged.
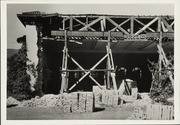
(156, 34)
(86, 33)
(86, 70)
(91, 15)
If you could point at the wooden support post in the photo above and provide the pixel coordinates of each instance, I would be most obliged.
(108, 61)
(132, 25)
(62, 75)
(64, 24)
(64, 81)
(113, 74)
(159, 24)
(160, 59)
(71, 23)
(66, 59)
(103, 24)
(87, 21)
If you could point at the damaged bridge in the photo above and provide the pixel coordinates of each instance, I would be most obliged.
(77, 51)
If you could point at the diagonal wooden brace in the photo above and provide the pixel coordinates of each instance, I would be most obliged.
(87, 73)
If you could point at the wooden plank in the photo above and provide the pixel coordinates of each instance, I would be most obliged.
(147, 25)
(95, 82)
(160, 112)
(87, 21)
(112, 61)
(168, 113)
(116, 25)
(172, 24)
(144, 25)
(90, 24)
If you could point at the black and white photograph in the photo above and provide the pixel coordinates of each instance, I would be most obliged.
(90, 63)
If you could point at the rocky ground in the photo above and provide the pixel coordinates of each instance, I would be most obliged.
(48, 107)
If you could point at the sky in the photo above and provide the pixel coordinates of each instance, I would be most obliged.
(15, 28)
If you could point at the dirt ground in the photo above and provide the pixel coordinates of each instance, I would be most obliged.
(56, 113)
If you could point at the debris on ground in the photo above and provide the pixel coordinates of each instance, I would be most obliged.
(48, 100)
(72, 102)
(143, 99)
(153, 112)
(11, 101)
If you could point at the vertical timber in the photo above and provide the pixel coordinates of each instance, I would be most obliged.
(132, 26)
(71, 23)
(160, 58)
(160, 44)
(64, 75)
(108, 61)
(66, 59)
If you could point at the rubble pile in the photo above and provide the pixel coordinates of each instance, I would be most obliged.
(72, 102)
(138, 114)
(49, 100)
(142, 99)
(66, 103)
(11, 101)
(78, 102)
(153, 112)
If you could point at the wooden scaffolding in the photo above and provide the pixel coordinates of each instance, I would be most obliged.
(120, 32)
(110, 74)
